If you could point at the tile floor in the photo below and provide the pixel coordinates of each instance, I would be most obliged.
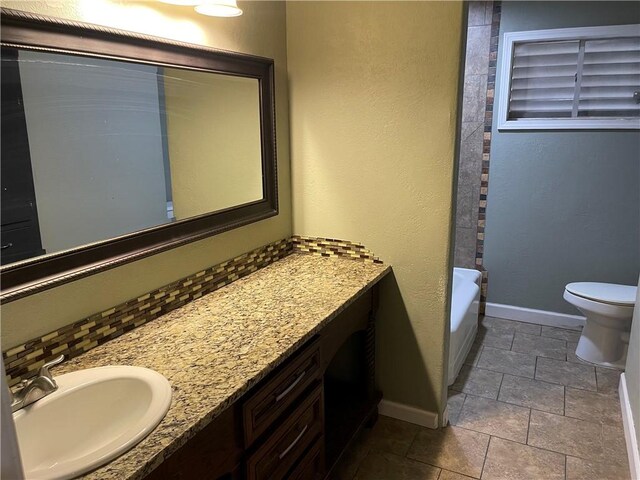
(523, 407)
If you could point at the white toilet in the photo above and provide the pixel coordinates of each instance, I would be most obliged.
(609, 309)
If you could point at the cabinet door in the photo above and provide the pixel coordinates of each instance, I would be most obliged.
(213, 454)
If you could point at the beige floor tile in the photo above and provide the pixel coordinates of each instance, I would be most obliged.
(527, 392)
(507, 362)
(592, 406)
(477, 381)
(473, 355)
(561, 333)
(608, 380)
(500, 419)
(566, 373)
(447, 475)
(460, 452)
(387, 466)
(510, 326)
(565, 435)
(512, 461)
(495, 338)
(391, 435)
(614, 446)
(540, 346)
(452, 448)
(581, 469)
(454, 402)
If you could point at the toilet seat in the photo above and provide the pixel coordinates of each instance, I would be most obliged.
(607, 293)
(601, 308)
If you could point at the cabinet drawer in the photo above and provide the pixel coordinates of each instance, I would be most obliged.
(266, 404)
(311, 467)
(281, 450)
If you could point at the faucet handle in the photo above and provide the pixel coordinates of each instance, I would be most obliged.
(20, 386)
(44, 370)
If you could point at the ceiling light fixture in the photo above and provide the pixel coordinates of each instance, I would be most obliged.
(219, 8)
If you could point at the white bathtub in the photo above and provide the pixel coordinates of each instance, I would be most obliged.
(465, 300)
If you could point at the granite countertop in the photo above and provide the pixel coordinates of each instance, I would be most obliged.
(215, 348)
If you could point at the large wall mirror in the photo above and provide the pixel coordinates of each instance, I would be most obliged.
(117, 146)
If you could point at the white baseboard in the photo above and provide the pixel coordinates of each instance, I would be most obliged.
(530, 315)
(629, 429)
(409, 414)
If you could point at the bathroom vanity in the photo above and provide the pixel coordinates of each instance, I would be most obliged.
(272, 375)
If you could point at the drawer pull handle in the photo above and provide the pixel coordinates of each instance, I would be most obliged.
(8, 245)
(293, 444)
(280, 396)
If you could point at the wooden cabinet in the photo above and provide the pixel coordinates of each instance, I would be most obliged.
(311, 466)
(215, 453)
(269, 401)
(296, 423)
(284, 448)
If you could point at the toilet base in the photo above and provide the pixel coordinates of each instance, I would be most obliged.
(620, 365)
(601, 344)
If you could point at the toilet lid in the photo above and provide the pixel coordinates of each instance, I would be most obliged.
(605, 292)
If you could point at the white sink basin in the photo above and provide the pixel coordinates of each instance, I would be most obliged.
(95, 415)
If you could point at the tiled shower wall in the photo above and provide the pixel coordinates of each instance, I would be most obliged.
(472, 132)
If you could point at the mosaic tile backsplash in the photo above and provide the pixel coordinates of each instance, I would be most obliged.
(328, 247)
(23, 361)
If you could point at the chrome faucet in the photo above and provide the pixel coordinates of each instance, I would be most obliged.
(40, 386)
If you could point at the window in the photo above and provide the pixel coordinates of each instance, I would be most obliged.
(572, 78)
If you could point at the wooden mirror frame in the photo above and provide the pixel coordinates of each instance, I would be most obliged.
(36, 32)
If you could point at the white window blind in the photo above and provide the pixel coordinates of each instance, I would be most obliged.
(610, 78)
(543, 79)
(571, 78)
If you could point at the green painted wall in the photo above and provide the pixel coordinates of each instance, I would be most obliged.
(562, 206)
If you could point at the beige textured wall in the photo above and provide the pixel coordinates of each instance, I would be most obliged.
(213, 126)
(260, 31)
(373, 93)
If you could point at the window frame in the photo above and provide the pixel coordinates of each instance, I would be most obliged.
(510, 39)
